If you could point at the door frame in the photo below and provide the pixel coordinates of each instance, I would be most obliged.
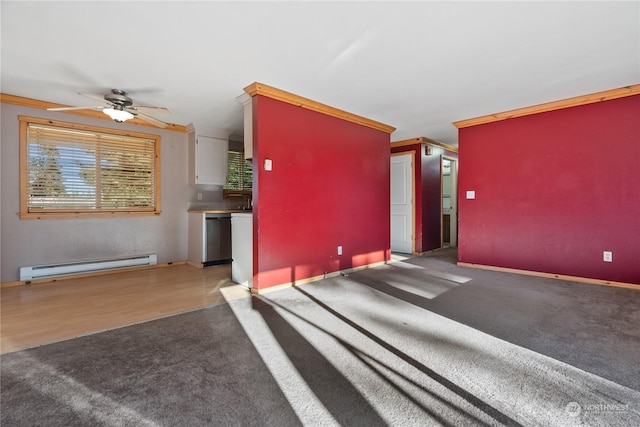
(413, 198)
(453, 223)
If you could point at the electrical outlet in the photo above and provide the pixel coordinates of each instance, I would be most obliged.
(339, 250)
(607, 256)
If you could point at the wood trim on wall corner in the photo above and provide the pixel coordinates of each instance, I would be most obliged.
(423, 140)
(280, 95)
(43, 105)
(552, 276)
(551, 106)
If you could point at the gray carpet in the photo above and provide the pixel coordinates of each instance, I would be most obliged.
(400, 345)
(194, 369)
(592, 327)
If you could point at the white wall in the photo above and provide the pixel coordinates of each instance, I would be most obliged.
(34, 242)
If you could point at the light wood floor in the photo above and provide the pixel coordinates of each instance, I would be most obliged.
(48, 312)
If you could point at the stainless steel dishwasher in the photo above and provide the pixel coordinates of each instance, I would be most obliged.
(218, 245)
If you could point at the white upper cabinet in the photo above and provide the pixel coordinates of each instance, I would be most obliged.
(211, 160)
(246, 102)
(208, 157)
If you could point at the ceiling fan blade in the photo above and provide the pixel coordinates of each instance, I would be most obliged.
(96, 97)
(148, 119)
(99, 107)
(151, 110)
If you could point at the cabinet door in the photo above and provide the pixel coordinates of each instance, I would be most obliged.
(211, 160)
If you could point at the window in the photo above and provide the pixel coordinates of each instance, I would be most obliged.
(70, 170)
(239, 172)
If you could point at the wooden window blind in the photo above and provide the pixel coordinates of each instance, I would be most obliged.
(78, 169)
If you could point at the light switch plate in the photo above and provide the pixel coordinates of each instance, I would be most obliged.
(268, 164)
(607, 256)
(471, 195)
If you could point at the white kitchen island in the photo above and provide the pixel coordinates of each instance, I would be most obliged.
(242, 248)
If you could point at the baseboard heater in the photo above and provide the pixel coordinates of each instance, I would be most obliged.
(54, 270)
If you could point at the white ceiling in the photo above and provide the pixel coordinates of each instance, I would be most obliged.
(417, 66)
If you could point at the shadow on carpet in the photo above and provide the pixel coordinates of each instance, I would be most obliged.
(591, 327)
(197, 368)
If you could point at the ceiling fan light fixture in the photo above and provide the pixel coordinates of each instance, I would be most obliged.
(118, 115)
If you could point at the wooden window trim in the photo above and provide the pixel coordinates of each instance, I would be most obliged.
(81, 213)
(230, 194)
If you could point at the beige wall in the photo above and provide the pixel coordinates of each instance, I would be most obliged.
(36, 242)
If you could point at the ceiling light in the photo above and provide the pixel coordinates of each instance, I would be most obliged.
(118, 114)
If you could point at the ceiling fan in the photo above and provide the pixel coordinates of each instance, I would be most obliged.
(121, 108)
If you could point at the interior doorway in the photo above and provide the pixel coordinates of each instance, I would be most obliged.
(449, 179)
(402, 221)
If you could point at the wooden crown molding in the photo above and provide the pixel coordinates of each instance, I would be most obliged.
(423, 140)
(94, 114)
(551, 106)
(280, 95)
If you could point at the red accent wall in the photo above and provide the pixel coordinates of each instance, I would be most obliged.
(329, 186)
(554, 190)
(428, 194)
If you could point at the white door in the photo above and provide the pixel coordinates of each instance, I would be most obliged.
(402, 203)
